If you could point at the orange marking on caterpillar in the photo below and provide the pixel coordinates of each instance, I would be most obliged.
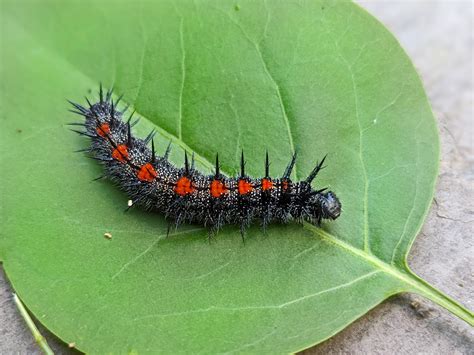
(103, 129)
(284, 185)
(267, 184)
(244, 187)
(218, 188)
(147, 173)
(120, 153)
(184, 186)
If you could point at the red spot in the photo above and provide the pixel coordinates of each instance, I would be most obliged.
(103, 129)
(267, 184)
(147, 173)
(184, 186)
(120, 153)
(244, 187)
(218, 188)
(284, 185)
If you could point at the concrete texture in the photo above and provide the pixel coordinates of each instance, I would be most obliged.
(438, 36)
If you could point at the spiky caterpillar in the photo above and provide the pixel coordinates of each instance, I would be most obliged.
(188, 196)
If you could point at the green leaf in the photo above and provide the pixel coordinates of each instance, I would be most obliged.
(317, 76)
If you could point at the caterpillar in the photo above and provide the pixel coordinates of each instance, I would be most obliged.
(186, 195)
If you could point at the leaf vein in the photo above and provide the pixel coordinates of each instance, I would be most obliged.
(137, 257)
(270, 307)
(183, 78)
(282, 105)
(402, 235)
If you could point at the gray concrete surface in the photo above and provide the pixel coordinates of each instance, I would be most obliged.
(438, 36)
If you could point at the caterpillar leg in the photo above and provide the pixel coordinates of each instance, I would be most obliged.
(168, 229)
(242, 232)
(211, 233)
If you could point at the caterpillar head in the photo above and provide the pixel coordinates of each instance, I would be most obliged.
(331, 206)
(325, 206)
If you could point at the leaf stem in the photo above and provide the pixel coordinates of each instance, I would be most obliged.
(414, 283)
(43, 344)
(425, 289)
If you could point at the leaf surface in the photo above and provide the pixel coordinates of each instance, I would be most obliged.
(213, 76)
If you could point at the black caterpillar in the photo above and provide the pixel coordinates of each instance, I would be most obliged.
(185, 194)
